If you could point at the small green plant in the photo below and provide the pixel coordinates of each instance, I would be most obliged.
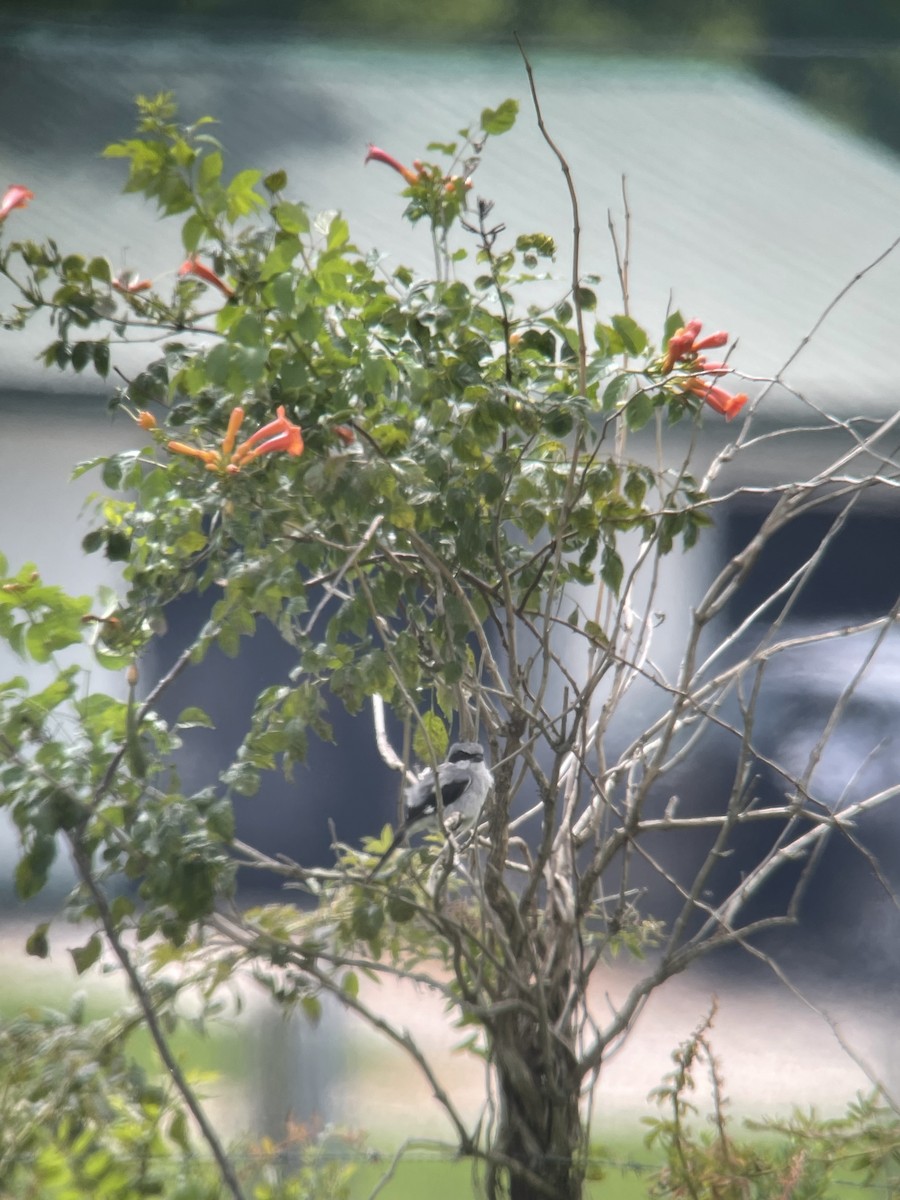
(801, 1158)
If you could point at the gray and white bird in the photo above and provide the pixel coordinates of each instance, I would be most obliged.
(464, 783)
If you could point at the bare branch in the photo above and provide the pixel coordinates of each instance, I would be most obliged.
(81, 858)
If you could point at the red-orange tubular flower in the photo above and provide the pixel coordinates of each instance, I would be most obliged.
(376, 155)
(450, 181)
(345, 433)
(210, 457)
(280, 434)
(15, 196)
(726, 403)
(686, 341)
(235, 421)
(130, 282)
(414, 174)
(192, 266)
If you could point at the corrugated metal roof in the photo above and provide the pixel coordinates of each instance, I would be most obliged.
(753, 211)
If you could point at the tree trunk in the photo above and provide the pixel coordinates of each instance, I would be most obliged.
(540, 1138)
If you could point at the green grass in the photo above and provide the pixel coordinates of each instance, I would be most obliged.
(623, 1178)
(453, 1181)
(436, 1179)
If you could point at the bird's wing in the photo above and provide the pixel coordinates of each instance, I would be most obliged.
(424, 803)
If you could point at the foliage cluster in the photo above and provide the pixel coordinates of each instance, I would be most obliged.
(81, 1119)
(803, 1157)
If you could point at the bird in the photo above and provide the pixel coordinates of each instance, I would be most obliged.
(464, 783)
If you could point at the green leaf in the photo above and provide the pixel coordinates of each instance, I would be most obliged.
(312, 1009)
(191, 542)
(634, 339)
(85, 956)
(193, 232)
(210, 170)
(111, 473)
(292, 218)
(635, 488)
(350, 984)
(101, 359)
(98, 268)
(178, 1131)
(194, 718)
(122, 906)
(367, 921)
(674, 321)
(250, 362)
(586, 297)
(73, 264)
(430, 740)
(616, 391)
(639, 410)
(38, 944)
(281, 291)
(249, 331)
(34, 866)
(401, 906)
(541, 341)
(81, 354)
(558, 421)
(118, 546)
(218, 364)
(242, 199)
(499, 120)
(338, 233)
(275, 181)
(280, 258)
(612, 568)
(541, 244)
(595, 633)
(54, 632)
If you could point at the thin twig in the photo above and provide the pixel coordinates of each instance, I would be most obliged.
(84, 867)
(576, 221)
(389, 755)
(180, 664)
(330, 587)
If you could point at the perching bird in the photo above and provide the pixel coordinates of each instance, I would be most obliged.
(464, 781)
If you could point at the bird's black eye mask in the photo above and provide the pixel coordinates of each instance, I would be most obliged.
(465, 756)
